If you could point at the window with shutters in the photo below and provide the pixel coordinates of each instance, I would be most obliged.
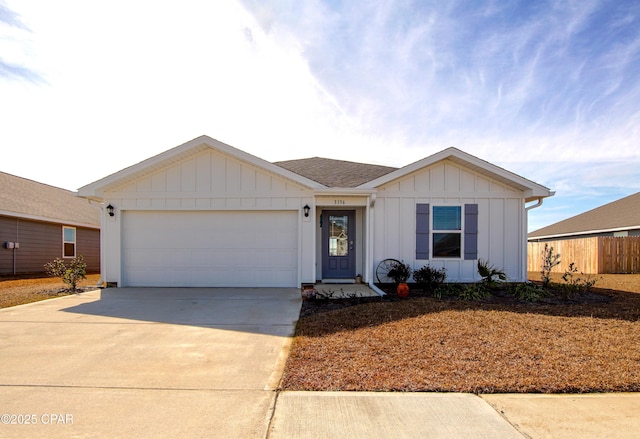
(447, 231)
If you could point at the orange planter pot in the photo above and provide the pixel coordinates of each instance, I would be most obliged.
(403, 290)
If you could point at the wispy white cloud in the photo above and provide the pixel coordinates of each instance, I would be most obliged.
(549, 83)
(13, 63)
(10, 18)
(497, 71)
(552, 84)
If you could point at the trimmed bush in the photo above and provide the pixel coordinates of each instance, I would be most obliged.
(429, 278)
(70, 274)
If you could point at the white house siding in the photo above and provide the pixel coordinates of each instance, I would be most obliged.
(209, 180)
(501, 226)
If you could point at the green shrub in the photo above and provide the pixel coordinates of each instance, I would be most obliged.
(447, 290)
(575, 284)
(70, 274)
(474, 291)
(530, 292)
(429, 278)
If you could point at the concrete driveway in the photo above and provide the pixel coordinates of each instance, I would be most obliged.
(162, 362)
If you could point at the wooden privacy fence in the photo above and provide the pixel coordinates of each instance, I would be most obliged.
(595, 255)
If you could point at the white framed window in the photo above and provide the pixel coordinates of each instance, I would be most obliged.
(446, 236)
(446, 231)
(68, 242)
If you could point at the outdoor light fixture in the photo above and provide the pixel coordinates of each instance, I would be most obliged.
(306, 209)
(111, 210)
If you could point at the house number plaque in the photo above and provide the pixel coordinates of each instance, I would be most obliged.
(343, 201)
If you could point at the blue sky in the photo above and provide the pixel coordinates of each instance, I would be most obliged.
(548, 90)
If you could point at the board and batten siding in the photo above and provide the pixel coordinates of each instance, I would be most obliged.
(41, 242)
(501, 222)
(207, 180)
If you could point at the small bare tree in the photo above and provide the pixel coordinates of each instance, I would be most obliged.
(549, 260)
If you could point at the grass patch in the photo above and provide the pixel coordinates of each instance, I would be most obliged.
(588, 344)
(18, 290)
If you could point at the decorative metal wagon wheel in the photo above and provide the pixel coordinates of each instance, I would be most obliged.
(384, 267)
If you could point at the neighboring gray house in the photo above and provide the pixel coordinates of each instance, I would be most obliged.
(207, 214)
(619, 218)
(602, 240)
(39, 223)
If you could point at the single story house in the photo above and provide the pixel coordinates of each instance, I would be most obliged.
(602, 240)
(39, 223)
(207, 214)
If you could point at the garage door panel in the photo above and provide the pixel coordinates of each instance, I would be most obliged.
(210, 249)
(240, 278)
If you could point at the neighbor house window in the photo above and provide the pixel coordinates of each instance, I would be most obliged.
(69, 242)
(446, 231)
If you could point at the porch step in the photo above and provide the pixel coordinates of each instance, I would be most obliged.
(339, 291)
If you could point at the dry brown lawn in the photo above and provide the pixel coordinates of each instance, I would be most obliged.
(17, 291)
(590, 344)
(424, 344)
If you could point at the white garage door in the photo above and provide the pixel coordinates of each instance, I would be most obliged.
(210, 249)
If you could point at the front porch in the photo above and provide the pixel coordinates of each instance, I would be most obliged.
(342, 242)
(339, 290)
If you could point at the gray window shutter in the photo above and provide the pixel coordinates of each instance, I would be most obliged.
(422, 231)
(471, 231)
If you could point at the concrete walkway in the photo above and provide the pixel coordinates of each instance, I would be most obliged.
(349, 415)
(595, 415)
(333, 415)
(206, 363)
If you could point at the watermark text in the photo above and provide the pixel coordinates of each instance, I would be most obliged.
(35, 419)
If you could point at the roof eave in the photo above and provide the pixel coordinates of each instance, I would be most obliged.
(344, 191)
(534, 195)
(96, 190)
(46, 219)
(531, 189)
(584, 232)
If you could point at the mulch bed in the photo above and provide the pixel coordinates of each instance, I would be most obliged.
(590, 343)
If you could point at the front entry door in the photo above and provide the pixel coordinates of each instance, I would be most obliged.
(338, 244)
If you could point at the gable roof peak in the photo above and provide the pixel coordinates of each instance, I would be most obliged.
(531, 189)
(174, 155)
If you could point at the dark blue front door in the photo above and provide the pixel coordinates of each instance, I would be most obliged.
(338, 244)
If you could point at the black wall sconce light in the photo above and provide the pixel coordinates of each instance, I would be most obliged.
(111, 210)
(306, 209)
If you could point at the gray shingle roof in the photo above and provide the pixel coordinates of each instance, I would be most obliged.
(621, 214)
(25, 198)
(335, 173)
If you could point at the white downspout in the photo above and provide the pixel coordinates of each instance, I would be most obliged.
(370, 233)
(525, 257)
(534, 206)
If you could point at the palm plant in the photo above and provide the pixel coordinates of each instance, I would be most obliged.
(489, 272)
